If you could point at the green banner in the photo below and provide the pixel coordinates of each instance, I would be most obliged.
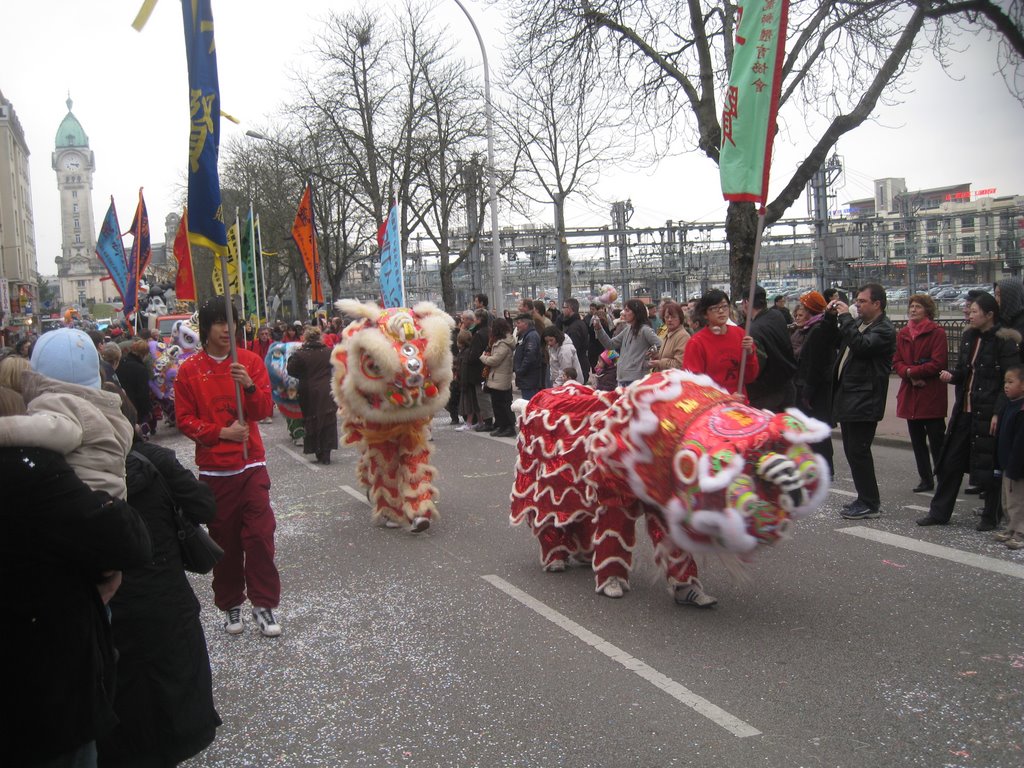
(752, 99)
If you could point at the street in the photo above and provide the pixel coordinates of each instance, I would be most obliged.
(852, 644)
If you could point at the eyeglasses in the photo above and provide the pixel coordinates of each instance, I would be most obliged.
(723, 307)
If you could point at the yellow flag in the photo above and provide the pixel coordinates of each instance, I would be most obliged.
(233, 271)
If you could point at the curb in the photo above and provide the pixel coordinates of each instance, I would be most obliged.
(885, 440)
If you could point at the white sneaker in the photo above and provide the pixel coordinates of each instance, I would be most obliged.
(268, 624)
(612, 587)
(463, 428)
(389, 523)
(420, 524)
(555, 566)
(693, 595)
(233, 620)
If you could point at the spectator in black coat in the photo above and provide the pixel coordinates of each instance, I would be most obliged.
(861, 385)
(576, 329)
(773, 389)
(527, 362)
(63, 548)
(164, 696)
(133, 375)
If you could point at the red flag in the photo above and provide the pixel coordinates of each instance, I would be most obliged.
(304, 235)
(185, 282)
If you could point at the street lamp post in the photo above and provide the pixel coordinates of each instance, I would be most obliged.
(497, 291)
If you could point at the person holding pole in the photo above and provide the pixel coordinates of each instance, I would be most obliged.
(221, 394)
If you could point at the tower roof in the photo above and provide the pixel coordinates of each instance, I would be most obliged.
(70, 133)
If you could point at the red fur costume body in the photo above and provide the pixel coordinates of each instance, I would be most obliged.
(710, 474)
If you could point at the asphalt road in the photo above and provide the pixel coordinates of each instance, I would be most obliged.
(453, 648)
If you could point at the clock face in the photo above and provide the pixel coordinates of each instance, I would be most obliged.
(72, 162)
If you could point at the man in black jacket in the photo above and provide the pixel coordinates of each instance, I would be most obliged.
(774, 388)
(861, 384)
(574, 327)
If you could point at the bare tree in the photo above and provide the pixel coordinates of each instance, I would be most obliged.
(563, 128)
(673, 58)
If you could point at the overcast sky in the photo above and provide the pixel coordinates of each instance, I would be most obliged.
(130, 94)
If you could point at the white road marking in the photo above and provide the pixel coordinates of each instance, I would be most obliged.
(983, 562)
(680, 693)
(906, 506)
(353, 492)
(299, 458)
(851, 494)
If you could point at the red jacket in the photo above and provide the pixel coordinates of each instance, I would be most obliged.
(204, 403)
(719, 357)
(260, 348)
(921, 359)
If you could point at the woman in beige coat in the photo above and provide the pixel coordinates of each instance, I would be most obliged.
(670, 355)
(498, 366)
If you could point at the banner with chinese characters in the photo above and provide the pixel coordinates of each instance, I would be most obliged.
(752, 99)
(235, 285)
(206, 219)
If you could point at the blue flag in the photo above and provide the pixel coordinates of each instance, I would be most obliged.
(206, 218)
(392, 281)
(110, 251)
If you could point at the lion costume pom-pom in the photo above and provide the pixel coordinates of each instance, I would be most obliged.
(392, 373)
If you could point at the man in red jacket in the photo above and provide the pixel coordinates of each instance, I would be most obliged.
(207, 412)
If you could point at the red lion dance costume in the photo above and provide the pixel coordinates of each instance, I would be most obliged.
(392, 371)
(710, 474)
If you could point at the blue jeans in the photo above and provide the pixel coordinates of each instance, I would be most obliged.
(528, 393)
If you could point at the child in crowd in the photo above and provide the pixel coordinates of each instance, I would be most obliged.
(604, 375)
(69, 413)
(1010, 457)
(568, 374)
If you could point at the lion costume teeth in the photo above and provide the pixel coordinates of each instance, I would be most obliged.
(392, 373)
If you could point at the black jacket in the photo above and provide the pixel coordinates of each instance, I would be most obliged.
(134, 378)
(527, 361)
(814, 370)
(576, 330)
(861, 388)
(58, 656)
(776, 362)
(997, 350)
(165, 690)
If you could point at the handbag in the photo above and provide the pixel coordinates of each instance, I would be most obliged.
(199, 552)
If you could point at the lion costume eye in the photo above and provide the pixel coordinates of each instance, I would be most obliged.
(370, 368)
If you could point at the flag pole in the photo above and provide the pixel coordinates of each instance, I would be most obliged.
(230, 314)
(263, 272)
(750, 295)
(252, 265)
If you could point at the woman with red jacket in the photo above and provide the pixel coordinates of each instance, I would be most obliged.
(921, 354)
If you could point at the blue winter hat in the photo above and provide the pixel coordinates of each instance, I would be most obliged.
(68, 355)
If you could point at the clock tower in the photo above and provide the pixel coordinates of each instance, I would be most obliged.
(78, 268)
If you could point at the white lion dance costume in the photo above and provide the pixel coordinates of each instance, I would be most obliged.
(392, 371)
(710, 474)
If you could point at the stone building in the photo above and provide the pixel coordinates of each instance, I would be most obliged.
(18, 266)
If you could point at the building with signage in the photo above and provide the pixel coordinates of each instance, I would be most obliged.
(79, 271)
(17, 228)
(952, 234)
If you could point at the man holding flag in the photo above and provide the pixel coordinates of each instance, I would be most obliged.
(211, 407)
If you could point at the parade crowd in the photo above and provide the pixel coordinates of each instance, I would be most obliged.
(92, 504)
